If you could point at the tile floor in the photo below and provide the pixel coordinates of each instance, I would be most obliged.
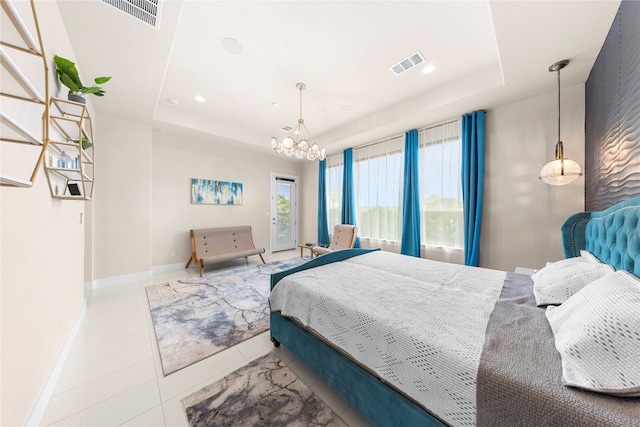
(113, 375)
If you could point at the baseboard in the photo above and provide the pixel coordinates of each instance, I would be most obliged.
(88, 289)
(167, 267)
(34, 417)
(118, 280)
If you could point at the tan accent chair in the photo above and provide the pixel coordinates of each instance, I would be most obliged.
(344, 237)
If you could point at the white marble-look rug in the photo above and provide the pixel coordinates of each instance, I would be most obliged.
(198, 317)
(262, 393)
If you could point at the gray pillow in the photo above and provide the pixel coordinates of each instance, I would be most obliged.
(597, 332)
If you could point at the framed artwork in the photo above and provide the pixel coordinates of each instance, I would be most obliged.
(210, 192)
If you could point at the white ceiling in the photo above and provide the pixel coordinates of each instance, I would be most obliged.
(487, 53)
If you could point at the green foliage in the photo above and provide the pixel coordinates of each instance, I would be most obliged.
(68, 75)
(435, 201)
(85, 143)
(284, 218)
(380, 222)
(442, 220)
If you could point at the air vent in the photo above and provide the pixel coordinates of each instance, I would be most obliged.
(407, 63)
(147, 11)
(285, 128)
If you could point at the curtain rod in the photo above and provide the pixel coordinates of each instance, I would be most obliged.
(368, 144)
(446, 122)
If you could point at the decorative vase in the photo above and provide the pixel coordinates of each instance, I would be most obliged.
(76, 98)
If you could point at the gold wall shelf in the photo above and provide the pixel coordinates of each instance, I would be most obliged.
(25, 91)
(69, 162)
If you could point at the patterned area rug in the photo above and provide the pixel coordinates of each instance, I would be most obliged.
(195, 318)
(262, 393)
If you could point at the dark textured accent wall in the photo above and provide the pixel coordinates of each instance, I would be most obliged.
(612, 116)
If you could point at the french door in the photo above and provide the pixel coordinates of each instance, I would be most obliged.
(284, 212)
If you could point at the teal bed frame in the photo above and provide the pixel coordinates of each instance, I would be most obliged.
(376, 400)
(612, 235)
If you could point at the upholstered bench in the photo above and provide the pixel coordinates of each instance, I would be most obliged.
(212, 245)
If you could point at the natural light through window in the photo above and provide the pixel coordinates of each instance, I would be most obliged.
(440, 187)
(378, 179)
(378, 171)
(334, 189)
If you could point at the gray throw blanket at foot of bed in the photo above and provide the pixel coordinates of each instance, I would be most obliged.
(520, 374)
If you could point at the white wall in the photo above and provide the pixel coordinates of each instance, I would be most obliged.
(41, 266)
(522, 215)
(176, 160)
(122, 197)
(309, 202)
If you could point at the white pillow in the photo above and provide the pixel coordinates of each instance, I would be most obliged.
(563, 263)
(589, 256)
(597, 332)
(555, 283)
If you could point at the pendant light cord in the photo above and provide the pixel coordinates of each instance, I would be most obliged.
(558, 105)
(559, 147)
(554, 172)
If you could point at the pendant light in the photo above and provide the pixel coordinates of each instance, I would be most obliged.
(560, 171)
(298, 142)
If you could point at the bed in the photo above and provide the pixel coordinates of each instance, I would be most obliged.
(457, 345)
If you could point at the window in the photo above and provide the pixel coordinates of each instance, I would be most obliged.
(378, 173)
(440, 160)
(334, 189)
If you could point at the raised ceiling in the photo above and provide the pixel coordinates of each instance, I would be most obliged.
(486, 53)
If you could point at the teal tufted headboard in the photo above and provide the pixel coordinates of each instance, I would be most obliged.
(613, 235)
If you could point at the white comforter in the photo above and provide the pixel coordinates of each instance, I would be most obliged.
(418, 324)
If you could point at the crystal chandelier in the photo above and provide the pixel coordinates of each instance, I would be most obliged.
(298, 142)
(560, 171)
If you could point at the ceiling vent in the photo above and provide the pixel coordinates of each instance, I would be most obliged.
(147, 11)
(285, 128)
(407, 63)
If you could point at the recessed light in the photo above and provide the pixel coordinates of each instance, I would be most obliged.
(172, 101)
(275, 104)
(199, 98)
(232, 45)
(429, 68)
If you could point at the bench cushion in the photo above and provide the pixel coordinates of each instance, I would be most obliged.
(223, 243)
(229, 256)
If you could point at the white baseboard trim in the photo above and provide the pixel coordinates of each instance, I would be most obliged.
(167, 267)
(118, 280)
(126, 278)
(34, 417)
(88, 288)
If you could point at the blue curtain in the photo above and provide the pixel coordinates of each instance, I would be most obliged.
(323, 218)
(472, 183)
(410, 243)
(348, 213)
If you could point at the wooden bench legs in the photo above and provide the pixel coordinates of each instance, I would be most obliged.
(201, 264)
(193, 258)
(195, 262)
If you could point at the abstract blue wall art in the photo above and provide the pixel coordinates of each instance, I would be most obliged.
(210, 192)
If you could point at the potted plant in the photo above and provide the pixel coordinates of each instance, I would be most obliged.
(68, 75)
(85, 143)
